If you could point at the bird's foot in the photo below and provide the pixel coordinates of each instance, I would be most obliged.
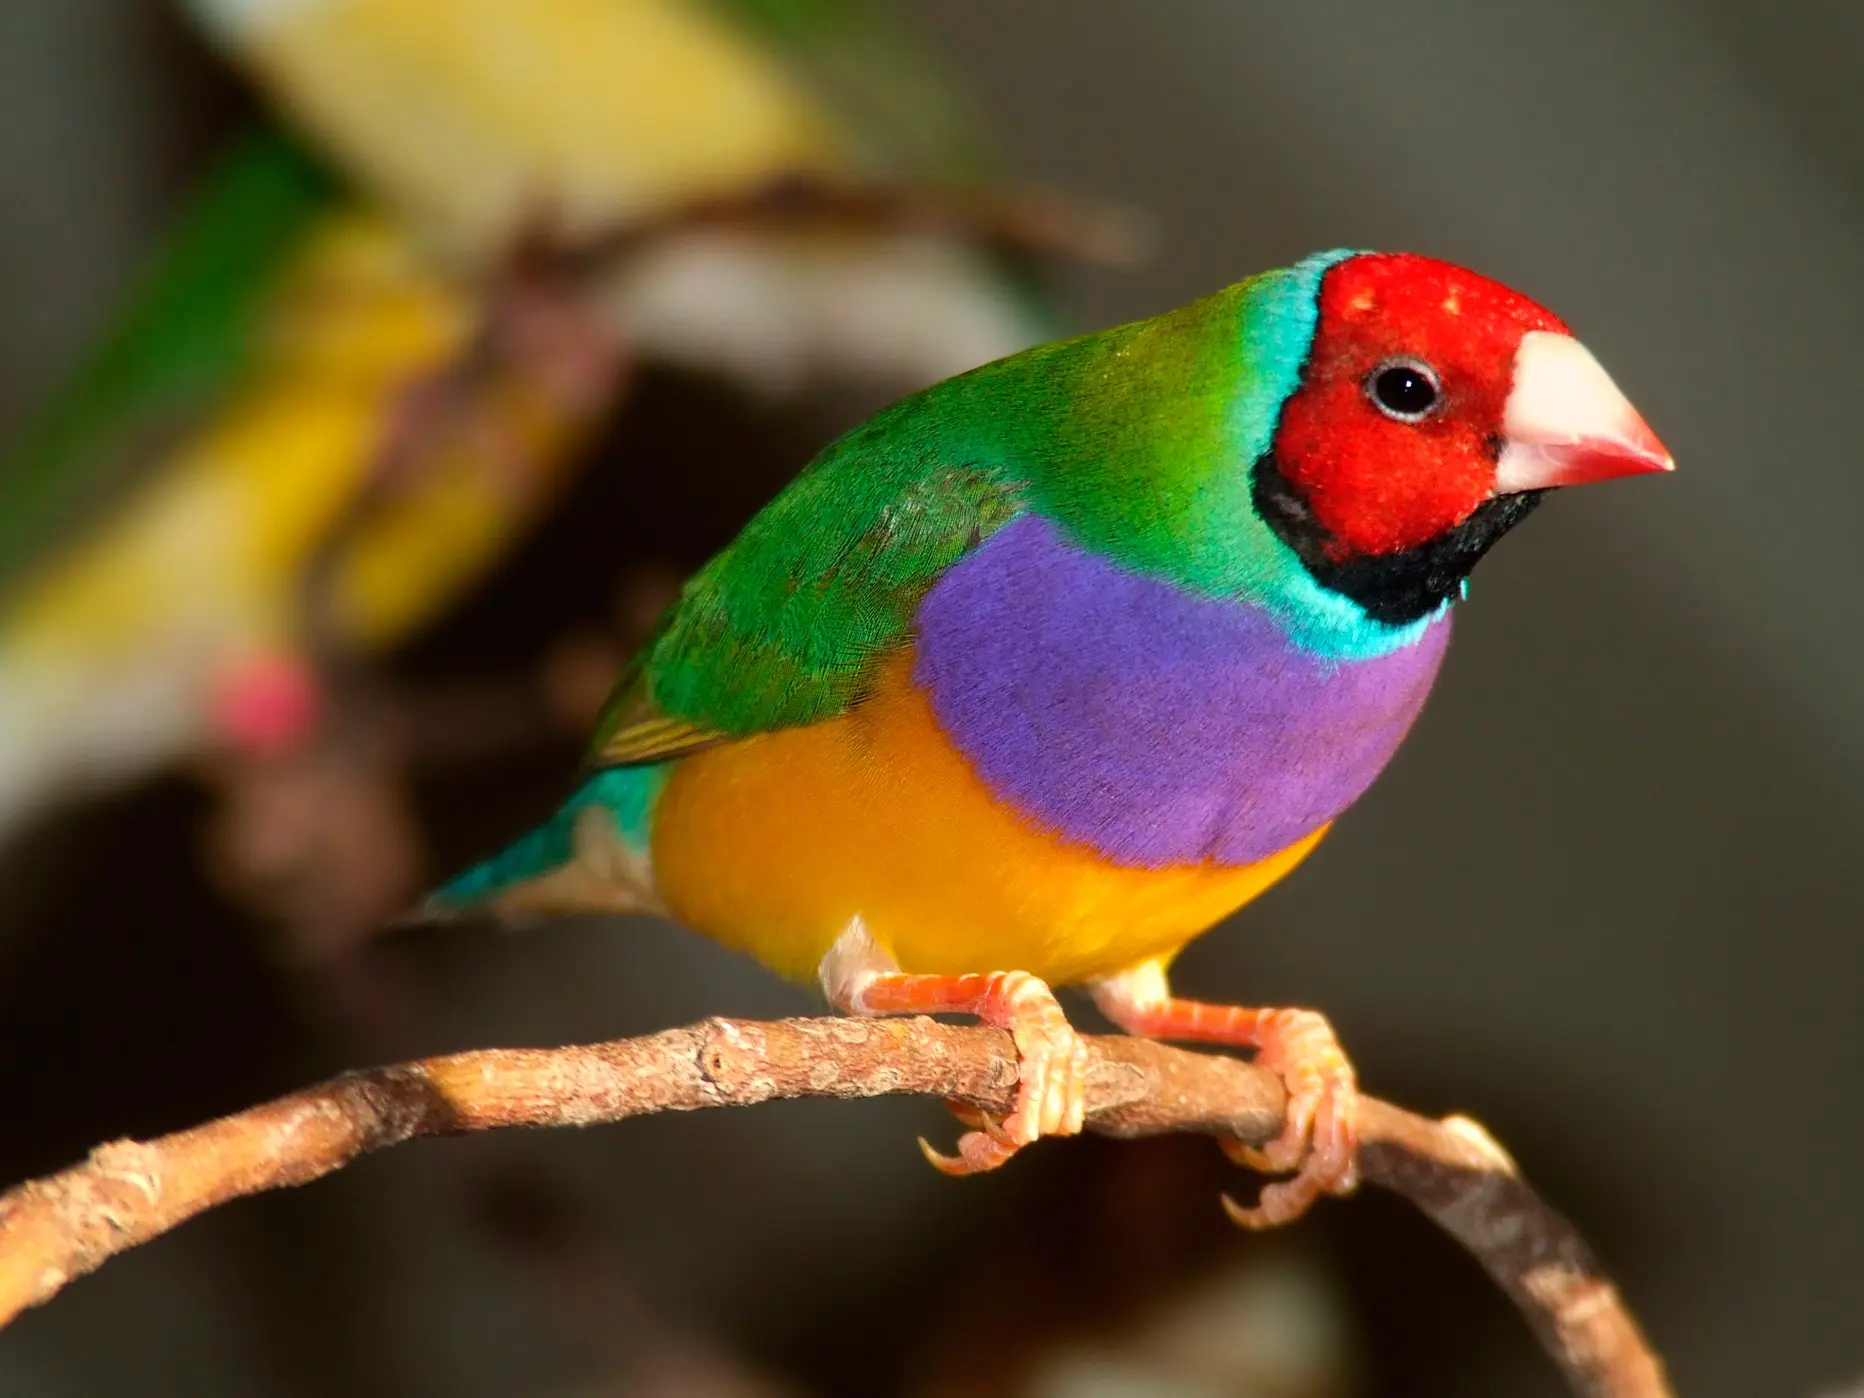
(1319, 1142)
(984, 1146)
(1051, 1060)
(1051, 1067)
(1320, 1133)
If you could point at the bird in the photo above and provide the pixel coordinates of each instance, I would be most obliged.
(1042, 672)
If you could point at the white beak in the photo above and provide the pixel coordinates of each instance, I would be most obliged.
(1566, 423)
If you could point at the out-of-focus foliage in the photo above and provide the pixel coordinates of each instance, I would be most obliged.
(348, 381)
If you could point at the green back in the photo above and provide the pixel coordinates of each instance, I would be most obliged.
(181, 332)
(1138, 441)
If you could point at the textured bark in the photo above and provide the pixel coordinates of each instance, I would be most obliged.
(128, 1192)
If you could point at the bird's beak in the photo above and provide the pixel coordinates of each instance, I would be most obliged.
(1566, 423)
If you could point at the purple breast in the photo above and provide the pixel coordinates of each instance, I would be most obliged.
(1153, 725)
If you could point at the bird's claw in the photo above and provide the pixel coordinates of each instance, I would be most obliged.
(977, 1119)
(1319, 1142)
(1051, 1065)
(1051, 1060)
(977, 1151)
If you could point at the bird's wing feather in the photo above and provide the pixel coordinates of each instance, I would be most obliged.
(787, 626)
(183, 331)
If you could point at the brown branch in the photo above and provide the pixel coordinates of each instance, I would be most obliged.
(127, 1192)
(1027, 221)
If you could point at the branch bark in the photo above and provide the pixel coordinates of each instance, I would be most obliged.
(55, 1229)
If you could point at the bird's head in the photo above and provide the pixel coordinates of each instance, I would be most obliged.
(1433, 409)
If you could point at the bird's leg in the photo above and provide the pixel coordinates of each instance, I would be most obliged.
(1319, 1141)
(1051, 1099)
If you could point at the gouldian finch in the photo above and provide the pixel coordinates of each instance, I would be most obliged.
(487, 125)
(1043, 671)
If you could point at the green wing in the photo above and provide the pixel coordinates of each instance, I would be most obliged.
(789, 623)
(182, 332)
(894, 97)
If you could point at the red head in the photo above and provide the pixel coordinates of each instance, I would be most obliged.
(1429, 394)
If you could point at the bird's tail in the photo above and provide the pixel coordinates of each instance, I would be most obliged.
(591, 856)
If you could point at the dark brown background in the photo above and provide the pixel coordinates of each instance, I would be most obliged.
(1609, 899)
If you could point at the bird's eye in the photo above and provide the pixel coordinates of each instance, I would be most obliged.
(1406, 389)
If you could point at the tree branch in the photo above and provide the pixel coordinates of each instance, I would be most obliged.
(60, 1227)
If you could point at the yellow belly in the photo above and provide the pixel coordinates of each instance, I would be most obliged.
(772, 844)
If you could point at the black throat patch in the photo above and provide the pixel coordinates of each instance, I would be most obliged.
(1394, 588)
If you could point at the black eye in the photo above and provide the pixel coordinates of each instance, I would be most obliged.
(1405, 389)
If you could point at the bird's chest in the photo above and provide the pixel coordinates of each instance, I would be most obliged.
(1155, 726)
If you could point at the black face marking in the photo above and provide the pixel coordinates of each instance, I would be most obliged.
(1394, 588)
(1406, 390)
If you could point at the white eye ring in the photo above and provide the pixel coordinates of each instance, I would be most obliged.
(1404, 389)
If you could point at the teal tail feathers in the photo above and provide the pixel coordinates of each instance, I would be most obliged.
(550, 846)
(546, 861)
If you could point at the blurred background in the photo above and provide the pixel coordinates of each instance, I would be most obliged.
(1608, 899)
